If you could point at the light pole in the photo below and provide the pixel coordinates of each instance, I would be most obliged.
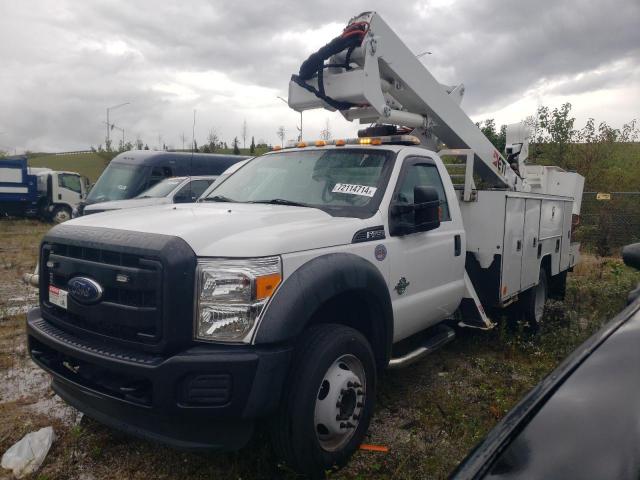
(108, 145)
(122, 130)
(300, 127)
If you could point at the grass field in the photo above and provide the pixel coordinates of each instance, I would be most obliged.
(90, 165)
(429, 415)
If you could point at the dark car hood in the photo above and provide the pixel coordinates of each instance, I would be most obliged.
(582, 421)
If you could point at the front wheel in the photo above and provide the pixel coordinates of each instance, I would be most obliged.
(61, 214)
(327, 400)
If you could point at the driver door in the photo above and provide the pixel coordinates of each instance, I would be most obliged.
(69, 189)
(426, 268)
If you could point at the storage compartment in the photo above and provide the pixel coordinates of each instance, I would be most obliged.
(512, 247)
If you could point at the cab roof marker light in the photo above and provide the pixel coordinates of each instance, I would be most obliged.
(383, 140)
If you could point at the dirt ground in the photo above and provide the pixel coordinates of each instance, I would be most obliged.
(429, 415)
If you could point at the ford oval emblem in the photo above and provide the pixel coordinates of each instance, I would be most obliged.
(84, 290)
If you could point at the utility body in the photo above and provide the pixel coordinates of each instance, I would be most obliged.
(287, 288)
(39, 192)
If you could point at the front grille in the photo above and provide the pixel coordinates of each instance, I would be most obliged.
(130, 307)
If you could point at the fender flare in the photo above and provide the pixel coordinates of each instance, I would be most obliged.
(317, 282)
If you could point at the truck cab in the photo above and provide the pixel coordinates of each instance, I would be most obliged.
(61, 193)
(294, 245)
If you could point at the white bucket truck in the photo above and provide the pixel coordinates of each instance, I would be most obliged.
(284, 292)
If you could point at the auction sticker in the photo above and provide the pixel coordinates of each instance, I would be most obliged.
(362, 190)
(58, 297)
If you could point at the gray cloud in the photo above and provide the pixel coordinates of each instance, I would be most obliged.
(64, 62)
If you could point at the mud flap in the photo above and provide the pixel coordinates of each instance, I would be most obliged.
(473, 314)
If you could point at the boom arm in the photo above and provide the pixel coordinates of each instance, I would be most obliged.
(381, 80)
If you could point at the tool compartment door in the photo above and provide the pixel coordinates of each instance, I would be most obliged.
(565, 254)
(512, 247)
(530, 259)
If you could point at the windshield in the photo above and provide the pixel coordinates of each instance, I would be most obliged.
(347, 182)
(162, 189)
(118, 182)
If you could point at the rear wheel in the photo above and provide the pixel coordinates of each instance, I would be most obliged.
(61, 214)
(535, 299)
(328, 400)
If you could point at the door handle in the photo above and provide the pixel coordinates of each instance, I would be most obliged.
(518, 245)
(535, 241)
(457, 245)
(59, 196)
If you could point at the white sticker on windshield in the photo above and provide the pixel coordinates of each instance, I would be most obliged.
(362, 190)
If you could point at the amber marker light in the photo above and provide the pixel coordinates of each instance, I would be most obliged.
(266, 285)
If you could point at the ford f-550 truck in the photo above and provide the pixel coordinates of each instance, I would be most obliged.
(285, 292)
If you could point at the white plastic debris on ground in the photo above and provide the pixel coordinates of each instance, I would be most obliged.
(26, 456)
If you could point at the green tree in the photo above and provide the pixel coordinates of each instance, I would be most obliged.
(252, 147)
(497, 138)
(236, 148)
(555, 129)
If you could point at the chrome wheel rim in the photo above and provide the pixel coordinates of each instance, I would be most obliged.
(339, 402)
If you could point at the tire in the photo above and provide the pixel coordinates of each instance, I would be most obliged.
(61, 214)
(327, 400)
(534, 300)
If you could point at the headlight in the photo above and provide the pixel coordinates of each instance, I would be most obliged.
(232, 294)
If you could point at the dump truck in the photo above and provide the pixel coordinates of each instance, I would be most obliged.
(39, 192)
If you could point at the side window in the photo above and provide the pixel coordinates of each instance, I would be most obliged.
(70, 182)
(199, 186)
(157, 174)
(193, 189)
(426, 175)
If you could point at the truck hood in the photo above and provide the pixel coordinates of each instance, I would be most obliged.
(235, 229)
(130, 203)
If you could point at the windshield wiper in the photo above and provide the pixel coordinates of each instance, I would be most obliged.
(218, 198)
(281, 201)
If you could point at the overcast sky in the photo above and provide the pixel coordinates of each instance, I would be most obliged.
(63, 62)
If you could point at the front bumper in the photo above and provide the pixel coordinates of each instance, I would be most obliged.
(205, 397)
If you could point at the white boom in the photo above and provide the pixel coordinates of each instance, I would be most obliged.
(385, 83)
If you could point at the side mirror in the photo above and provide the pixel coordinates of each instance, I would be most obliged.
(631, 255)
(426, 205)
(421, 216)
